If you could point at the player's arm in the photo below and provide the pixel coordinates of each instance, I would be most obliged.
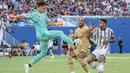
(112, 38)
(90, 28)
(90, 34)
(20, 17)
(32, 15)
(94, 33)
(90, 31)
(75, 34)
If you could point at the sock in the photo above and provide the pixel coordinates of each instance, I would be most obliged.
(74, 43)
(101, 67)
(94, 65)
(29, 65)
(51, 53)
(72, 72)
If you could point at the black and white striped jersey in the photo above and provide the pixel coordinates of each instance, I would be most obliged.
(101, 35)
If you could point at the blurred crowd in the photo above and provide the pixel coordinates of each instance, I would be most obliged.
(90, 7)
(31, 50)
(25, 49)
(58, 8)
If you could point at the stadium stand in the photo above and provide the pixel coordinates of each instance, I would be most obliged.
(57, 9)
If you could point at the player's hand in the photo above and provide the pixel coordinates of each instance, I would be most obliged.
(91, 27)
(10, 16)
(105, 42)
(74, 36)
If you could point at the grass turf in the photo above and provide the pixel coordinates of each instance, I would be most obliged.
(116, 63)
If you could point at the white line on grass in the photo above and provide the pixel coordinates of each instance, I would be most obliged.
(118, 57)
(54, 60)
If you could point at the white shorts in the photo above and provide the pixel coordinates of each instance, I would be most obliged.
(101, 51)
(1, 36)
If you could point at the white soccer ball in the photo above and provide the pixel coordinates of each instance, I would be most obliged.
(78, 43)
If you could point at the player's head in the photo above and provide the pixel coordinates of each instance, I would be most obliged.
(71, 31)
(82, 22)
(102, 23)
(42, 6)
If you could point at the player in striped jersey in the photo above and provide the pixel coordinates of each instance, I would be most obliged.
(103, 36)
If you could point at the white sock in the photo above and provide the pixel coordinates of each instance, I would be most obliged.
(101, 67)
(51, 53)
(72, 72)
(94, 65)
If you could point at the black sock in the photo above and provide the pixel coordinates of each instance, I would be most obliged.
(29, 65)
(74, 43)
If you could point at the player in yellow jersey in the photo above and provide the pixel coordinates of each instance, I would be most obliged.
(82, 33)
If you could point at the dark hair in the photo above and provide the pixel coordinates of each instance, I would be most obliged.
(41, 3)
(104, 20)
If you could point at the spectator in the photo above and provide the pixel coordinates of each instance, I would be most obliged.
(37, 46)
(24, 43)
(5, 6)
(64, 47)
(50, 47)
(55, 46)
(1, 5)
(1, 29)
(120, 43)
(34, 51)
(68, 7)
(27, 49)
(15, 51)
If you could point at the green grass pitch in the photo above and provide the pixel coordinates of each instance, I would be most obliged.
(116, 63)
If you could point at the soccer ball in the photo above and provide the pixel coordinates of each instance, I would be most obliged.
(78, 43)
(52, 57)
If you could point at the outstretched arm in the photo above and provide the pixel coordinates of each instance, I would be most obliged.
(11, 16)
(112, 39)
(20, 17)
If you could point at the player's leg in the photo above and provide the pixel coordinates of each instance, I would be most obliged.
(50, 50)
(81, 57)
(71, 55)
(56, 33)
(52, 55)
(101, 63)
(55, 49)
(70, 63)
(102, 59)
(92, 60)
(70, 48)
(43, 53)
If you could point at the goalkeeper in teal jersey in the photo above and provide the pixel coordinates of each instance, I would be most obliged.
(40, 20)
